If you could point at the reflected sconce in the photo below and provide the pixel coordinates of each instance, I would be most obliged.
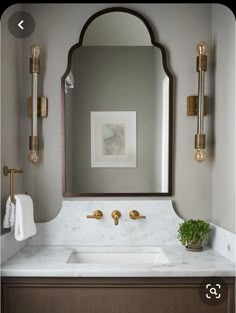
(36, 107)
(197, 105)
(69, 82)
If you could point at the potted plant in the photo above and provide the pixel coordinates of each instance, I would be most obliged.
(191, 233)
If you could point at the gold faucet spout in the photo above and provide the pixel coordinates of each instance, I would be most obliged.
(116, 215)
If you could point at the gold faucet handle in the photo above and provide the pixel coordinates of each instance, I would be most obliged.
(135, 215)
(96, 214)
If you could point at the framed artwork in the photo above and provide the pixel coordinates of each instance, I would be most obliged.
(113, 139)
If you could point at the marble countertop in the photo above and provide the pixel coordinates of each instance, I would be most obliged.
(51, 261)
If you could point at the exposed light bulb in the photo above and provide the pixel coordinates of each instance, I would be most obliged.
(200, 155)
(202, 47)
(33, 156)
(35, 51)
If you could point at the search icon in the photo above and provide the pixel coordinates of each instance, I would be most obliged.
(213, 291)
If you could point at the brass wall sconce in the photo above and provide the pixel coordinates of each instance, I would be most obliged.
(197, 105)
(36, 107)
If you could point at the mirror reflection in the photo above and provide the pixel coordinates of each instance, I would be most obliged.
(116, 116)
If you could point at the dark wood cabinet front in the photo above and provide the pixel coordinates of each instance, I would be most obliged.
(109, 295)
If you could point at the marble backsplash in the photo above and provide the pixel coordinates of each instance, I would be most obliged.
(223, 241)
(71, 227)
(9, 246)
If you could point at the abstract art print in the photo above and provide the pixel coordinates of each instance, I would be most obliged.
(113, 139)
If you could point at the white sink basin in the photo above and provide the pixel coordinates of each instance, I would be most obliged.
(119, 256)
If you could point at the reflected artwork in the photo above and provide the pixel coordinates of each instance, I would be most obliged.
(113, 139)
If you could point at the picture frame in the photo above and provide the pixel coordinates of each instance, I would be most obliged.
(113, 139)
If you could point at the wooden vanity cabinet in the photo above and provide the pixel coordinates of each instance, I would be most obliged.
(109, 295)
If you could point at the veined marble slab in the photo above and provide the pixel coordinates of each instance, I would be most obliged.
(48, 251)
(51, 261)
(71, 227)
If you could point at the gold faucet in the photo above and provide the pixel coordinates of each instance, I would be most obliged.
(116, 215)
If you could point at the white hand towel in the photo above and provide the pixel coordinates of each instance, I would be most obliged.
(24, 217)
(9, 218)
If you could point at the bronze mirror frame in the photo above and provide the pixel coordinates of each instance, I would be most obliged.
(164, 62)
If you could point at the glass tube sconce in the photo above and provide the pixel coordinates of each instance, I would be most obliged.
(37, 107)
(197, 105)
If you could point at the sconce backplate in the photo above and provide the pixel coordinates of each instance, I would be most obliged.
(42, 107)
(192, 105)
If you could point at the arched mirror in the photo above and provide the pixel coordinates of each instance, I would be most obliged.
(117, 110)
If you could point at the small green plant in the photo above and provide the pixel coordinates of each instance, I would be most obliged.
(193, 231)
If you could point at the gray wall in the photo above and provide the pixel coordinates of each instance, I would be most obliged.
(192, 182)
(11, 54)
(223, 184)
(179, 27)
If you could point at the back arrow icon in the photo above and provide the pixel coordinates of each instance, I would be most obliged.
(19, 24)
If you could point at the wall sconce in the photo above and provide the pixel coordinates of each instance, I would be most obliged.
(37, 107)
(197, 105)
